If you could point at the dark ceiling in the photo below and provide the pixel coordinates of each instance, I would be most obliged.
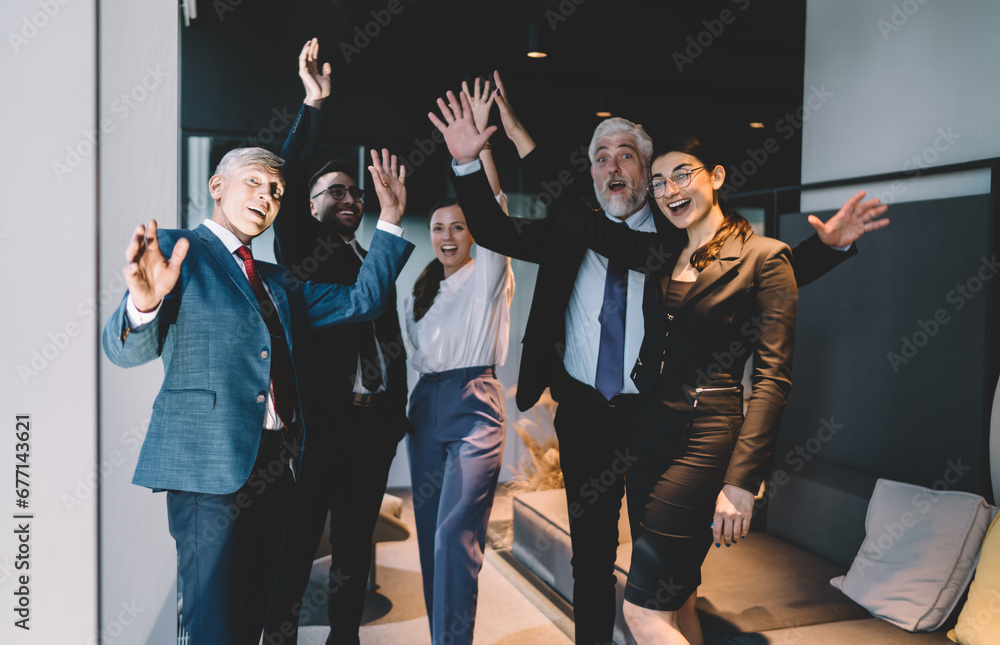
(702, 66)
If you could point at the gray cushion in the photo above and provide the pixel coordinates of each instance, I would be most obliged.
(862, 632)
(919, 553)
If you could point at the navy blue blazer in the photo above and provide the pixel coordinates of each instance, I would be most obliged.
(209, 414)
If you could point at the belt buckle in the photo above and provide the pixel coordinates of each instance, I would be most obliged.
(364, 400)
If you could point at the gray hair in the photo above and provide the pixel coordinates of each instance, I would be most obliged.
(617, 125)
(241, 157)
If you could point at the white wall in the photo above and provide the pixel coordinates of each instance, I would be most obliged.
(138, 181)
(48, 254)
(908, 84)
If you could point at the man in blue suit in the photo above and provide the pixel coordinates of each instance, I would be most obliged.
(228, 420)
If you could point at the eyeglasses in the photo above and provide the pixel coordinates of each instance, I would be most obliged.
(658, 186)
(339, 191)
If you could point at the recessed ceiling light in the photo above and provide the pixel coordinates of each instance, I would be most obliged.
(603, 114)
(756, 124)
(537, 54)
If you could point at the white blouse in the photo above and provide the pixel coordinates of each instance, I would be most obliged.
(469, 323)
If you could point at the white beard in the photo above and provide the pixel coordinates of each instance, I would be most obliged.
(623, 204)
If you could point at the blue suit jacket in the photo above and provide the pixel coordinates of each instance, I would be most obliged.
(209, 414)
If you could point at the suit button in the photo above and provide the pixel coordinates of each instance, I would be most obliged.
(260, 398)
(263, 353)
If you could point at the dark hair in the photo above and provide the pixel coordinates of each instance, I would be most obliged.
(733, 223)
(334, 165)
(426, 287)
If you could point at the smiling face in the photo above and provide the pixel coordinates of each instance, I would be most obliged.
(247, 199)
(450, 238)
(620, 175)
(344, 215)
(695, 203)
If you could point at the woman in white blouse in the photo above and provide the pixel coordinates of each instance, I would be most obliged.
(457, 321)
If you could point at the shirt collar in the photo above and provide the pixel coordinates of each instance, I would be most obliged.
(227, 237)
(637, 218)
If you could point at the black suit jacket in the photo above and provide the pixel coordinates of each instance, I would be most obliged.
(316, 252)
(558, 255)
(742, 304)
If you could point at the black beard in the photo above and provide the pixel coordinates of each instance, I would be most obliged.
(333, 222)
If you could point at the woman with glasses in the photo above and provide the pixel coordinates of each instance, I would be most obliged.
(728, 294)
(457, 320)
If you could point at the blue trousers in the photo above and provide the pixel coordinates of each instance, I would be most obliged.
(458, 419)
(227, 549)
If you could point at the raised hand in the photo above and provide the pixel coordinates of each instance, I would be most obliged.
(854, 219)
(148, 274)
(464, 139)
(317, 85)
(390, 186)
(480, 103)
(512, 126)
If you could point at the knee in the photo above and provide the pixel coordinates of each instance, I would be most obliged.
(642, 620)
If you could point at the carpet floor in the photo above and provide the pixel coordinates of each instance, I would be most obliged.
(511, 611)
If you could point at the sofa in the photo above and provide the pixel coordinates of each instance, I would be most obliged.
(772, 588)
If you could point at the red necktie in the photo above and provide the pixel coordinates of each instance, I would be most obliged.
(282, 376)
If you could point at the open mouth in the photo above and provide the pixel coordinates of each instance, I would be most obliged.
(679, 207)
(617, 186)
(347, 212)
(260, 211)
(449, 250)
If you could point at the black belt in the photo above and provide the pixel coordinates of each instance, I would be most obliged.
(586, 391)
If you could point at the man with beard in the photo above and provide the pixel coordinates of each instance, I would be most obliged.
(357, 377)
(577, 339)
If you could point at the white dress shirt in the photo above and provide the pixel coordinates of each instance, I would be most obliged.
(469, 323)
(583, 326)
(232, 243)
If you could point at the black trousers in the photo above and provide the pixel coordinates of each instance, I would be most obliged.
(593, 452)
(227, 549)
(344, 469)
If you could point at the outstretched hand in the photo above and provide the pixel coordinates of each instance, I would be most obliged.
(854, 219)
(464, 139)
(317, 85)
(148, 274)
(390, 186)
(481, 102)
(733, 511)
(512, 126)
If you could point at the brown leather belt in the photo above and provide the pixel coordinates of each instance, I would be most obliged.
(367, 400)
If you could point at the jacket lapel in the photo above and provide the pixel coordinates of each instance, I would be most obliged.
(269, 275)
(228, 263)
(718, 272)
(235, 273)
